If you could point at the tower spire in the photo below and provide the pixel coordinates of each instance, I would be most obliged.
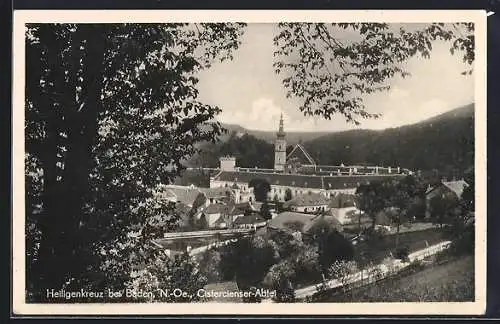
(280, 147)
(281, 131)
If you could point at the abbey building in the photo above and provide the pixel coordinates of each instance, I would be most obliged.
(298, 173)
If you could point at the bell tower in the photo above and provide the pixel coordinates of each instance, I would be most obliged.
(280, 148)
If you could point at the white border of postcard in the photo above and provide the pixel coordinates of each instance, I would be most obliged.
(21, 17)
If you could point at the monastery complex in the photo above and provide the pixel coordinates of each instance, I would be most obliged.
(298, 172)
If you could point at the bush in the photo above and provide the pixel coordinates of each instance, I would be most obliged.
(402, 253)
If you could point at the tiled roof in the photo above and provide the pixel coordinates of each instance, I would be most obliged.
(300, 154)
(249, 219)
(186, 195)
(309, 199)
(231, 209)
(219, 221)
(281, 179)
(237, 210)
(301, 180)
(330, 220)
(285, 219)
(243, 206)
(216, 192)
(456, 186)
(215, 209)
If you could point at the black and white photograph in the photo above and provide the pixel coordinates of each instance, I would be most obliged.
(292, 164)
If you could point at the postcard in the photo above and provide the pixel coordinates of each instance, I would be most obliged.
(249, 162)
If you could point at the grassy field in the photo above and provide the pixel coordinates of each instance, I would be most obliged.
(449, 282)
(376, 250)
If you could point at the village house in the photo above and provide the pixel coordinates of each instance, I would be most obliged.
(222, 215)
(347, 215)
(446, 190)
(252, 220)
(308, 203)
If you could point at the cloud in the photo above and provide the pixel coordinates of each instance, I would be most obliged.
(409, 115)
(264, 114)
(397, 93)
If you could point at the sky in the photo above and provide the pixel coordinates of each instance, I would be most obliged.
(251, 94)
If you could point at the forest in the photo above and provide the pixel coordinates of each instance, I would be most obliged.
(444, 143)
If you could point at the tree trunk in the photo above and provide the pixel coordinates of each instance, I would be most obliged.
(359, 223)
(61, 245)
(397, 235)
(46, 269)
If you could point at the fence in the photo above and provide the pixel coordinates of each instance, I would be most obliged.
(372, 274)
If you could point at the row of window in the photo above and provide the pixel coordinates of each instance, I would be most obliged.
(282, 191)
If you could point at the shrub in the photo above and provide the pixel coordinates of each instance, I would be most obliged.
(402, 253)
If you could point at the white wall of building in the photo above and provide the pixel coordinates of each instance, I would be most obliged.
(227, 163)
(277, 190)
(212, 218)
(309, 209)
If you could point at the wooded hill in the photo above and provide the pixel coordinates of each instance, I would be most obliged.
(444, 142)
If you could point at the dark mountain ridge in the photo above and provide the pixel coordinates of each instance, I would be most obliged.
(444, 142)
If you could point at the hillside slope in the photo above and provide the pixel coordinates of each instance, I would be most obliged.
(269, 136)
(444, 142)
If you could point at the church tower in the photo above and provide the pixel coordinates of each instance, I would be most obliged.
(280, 148)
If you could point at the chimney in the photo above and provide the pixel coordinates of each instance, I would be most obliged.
(399, 170)
(389, 169)
(376, 169)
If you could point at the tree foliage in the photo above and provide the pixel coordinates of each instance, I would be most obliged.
(332, 245)
(442, 208)
(111, 111)
(261, 188)
(402, 193)
(372, 198)
(332, 75)
(342, 270)
(265, 212)
(210, 265)
(279, 278)
(248, 261)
